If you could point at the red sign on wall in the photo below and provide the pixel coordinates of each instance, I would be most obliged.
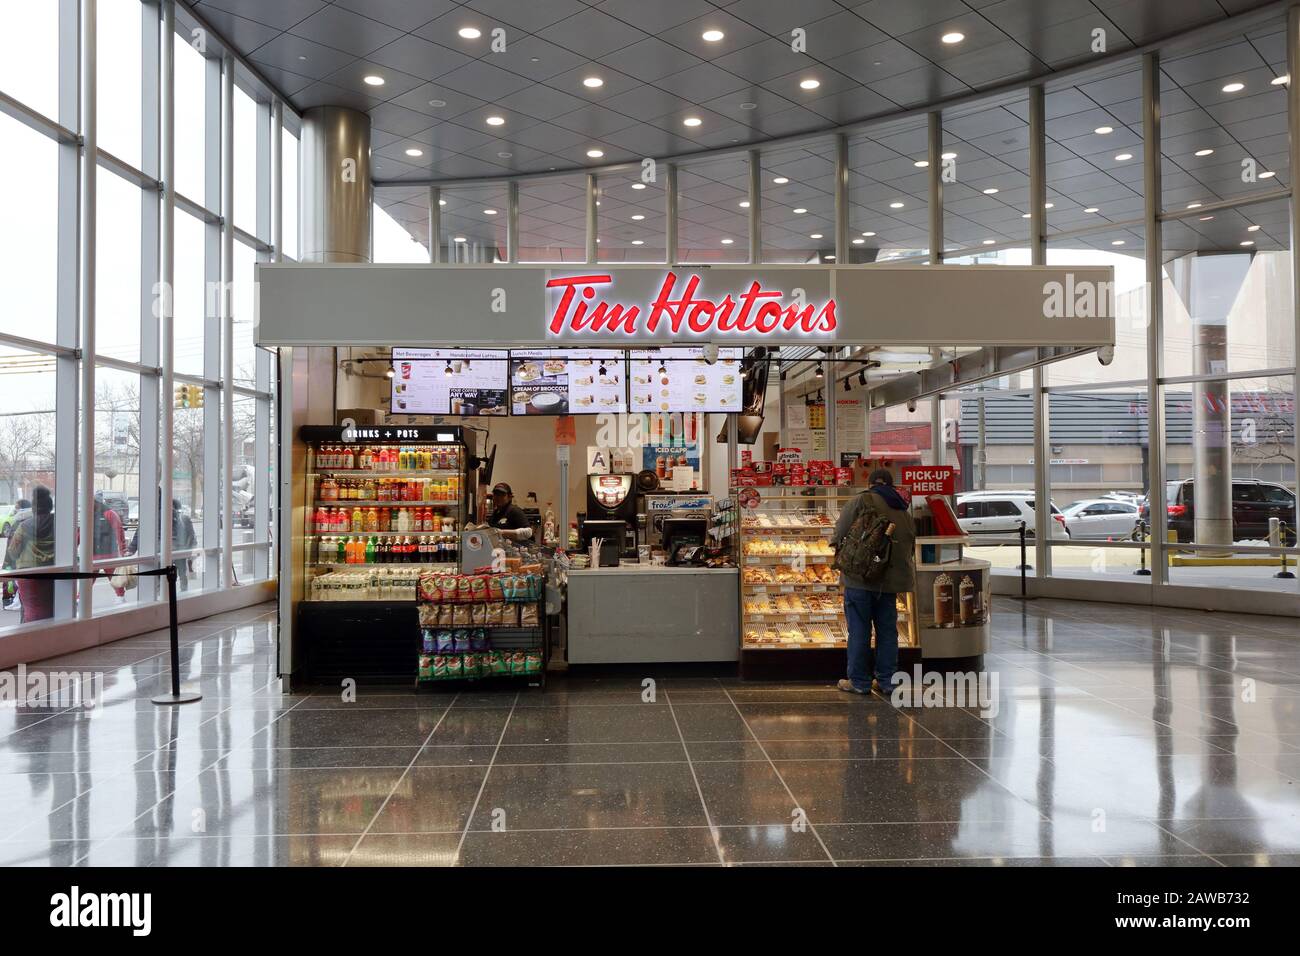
(929, 479)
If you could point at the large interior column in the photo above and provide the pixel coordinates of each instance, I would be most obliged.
(336, 194)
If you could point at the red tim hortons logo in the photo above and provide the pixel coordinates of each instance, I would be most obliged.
(581, 308)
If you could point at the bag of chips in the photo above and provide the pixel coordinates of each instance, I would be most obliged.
(495, 593)
(479, 639)
(455, 666)
(425, 671)
(528, 615)
(509, 615)
(464, 590)
(492, 615)
(427, 643)
(460, 616)
(478, 614)
(444, 615)
(428, 614)
(533, 662)
(478, 588)
(445, 642)
(498, 663)
(427, 588)
(439, 667)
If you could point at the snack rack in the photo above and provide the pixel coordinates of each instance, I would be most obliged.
(498, 632)
(791, 603)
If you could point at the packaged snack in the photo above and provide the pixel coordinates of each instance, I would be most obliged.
(492, 615)
(469, 665)
(460, 615)
(528, 615)
(495, 592)
(533, 662)
(427, 644)
(497, 663)
(463, 590)
(426, 667)
(427, 588)
(445, 642)
(478, 588)
(509, 615)
(478, 614)
(455, 666)
(518, 662)
(444, 615)
(439, 667)
(428, 614)
(480, 640)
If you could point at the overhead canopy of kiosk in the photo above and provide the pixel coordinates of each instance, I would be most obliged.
(640, 306)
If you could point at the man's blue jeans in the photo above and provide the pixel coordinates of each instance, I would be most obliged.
(862, 609)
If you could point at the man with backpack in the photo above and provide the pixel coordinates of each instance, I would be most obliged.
(874, 543)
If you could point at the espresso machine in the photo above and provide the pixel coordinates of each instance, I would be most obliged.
(610, 498)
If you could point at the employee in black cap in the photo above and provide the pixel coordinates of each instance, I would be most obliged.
(507, 517)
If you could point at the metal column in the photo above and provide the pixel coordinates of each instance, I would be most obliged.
(512, 221)
(841, 214)
(755, 207)
(435, 224)
(86, 284)
(227, 319)
(592, 193)
(1155, 316)
(934, 154)
(1038, 252)
(1293, 121)
(336, 194)
(670, 213)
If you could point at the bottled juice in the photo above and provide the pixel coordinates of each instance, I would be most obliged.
(371, 520)
(358, 520)
(381, 519)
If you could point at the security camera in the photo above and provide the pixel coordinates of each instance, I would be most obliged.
(1106, 354)
(911, 404)
(710, 353)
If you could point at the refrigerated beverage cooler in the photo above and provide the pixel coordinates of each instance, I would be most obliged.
(382, 504)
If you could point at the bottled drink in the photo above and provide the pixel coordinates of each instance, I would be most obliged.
(382, 519)
(370, 551)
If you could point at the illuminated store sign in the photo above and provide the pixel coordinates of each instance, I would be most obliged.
(579, 305)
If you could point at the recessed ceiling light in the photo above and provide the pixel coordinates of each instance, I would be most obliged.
(414, 152)
(1049, 205)
(991, 190)
(1123, 157)
(814, 235)
(1117, 242)
(1194, 205)
(1027, 215)
(597, 202)
(638, 217)
(638, 242)
(953, 37)
(1267, 175)
(1206, 218)
(800, 211)
(1252, 228)
(780, 180)
(301, 57)
(727, 242)
(595, 153)
(593, 82)
(1234, 87)
(809, 84)
(1104, 130)
(489, 212)
(868, 234)
(692, 121)
(442, 202)
(744, 204)
(598, 239)
(1203, 152)
(1248, 242)
(1093, 209)
(1282, 80)
(990, 242)
(712, 36)
(437, 104)
(457, 238)
(638, 185)
(895, 205)
(371, 80)
(858, 242)
(828, 258)
(495, 121)
(921, 163)
(505, 155)
(749, 106)
(470, 33)
(948, 155)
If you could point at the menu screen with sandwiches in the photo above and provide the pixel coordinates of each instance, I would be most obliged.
(681, 380)
(450, 382)
(567, 381)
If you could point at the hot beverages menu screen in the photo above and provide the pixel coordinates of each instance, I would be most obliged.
(680, 380)
(450, 382)
(567, 381)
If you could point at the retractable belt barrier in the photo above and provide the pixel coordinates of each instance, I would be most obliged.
(169, 572)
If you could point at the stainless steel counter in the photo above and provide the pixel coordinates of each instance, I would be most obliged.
(644, 615)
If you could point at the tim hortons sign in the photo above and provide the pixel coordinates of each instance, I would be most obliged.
(582, 304)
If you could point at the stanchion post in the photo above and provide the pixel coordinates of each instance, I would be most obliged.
(1286, 573)
(1140, 534)
(1024, 565)
(175, 697)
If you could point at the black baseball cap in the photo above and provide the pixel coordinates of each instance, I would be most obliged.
(502, 488)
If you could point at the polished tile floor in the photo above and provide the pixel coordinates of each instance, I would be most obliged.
(1123, 736)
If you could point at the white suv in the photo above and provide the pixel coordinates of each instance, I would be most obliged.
(1001, 512)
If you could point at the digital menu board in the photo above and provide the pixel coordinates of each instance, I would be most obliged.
(450, 382)
(680, 380)
(567, 381)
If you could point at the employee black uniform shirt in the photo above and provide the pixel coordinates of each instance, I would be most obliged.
(509, 518)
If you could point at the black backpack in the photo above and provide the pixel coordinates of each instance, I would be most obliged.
(866, 549)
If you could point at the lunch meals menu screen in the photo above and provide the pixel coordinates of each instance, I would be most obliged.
(567, 381)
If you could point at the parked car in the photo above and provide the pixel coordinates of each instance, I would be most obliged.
(1253, 503)
(1101, 518)
(1001, 512)
(132, 518)
(115, 501)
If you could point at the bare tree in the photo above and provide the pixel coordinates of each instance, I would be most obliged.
(24, 448)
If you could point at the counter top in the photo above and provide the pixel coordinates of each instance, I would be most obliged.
(651, 569)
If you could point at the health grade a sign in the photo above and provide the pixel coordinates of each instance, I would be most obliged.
(929, 480)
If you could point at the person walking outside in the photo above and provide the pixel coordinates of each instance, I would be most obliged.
(183, 539)
(110, 539)
(31, 545)
(874, 540)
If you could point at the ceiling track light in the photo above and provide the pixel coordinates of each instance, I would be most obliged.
(388, 372)
(821, 373)
(447, 371)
